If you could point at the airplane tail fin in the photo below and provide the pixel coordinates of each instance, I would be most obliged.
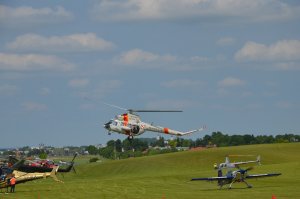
(258, 160)
(227, 160)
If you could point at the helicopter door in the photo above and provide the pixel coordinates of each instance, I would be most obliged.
(135, 129)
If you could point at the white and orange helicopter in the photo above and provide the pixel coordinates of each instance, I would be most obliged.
(131, 125)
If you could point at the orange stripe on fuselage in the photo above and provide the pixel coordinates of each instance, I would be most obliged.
(166, 130)
(125, 118)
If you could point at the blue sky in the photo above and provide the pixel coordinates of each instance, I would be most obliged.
(231, 65)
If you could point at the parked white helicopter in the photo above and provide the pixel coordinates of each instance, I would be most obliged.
(131, 125)
(230, 165)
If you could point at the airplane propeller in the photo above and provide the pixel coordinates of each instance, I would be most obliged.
(246, 170)
(249, 169)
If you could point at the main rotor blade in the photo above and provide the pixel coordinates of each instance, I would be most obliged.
(114, 106)
(111, 105)
(132, 110)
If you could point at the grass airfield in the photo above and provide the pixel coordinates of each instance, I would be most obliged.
(168, 176)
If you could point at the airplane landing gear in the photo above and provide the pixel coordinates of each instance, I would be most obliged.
(248, 185)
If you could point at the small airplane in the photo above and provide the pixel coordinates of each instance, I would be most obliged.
(131, 125)
(230, 165)
(236, 176)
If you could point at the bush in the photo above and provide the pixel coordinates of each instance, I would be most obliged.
(94, 160)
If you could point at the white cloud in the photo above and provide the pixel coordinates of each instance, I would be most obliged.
(231, 82)
(87, 107)
(222, 91)
(79, 83)
(201, 10)
(285, 50)
(225, 41)
(284, 105)
(28, 15)
(8, 90)
(33, 106)
(182, 83)
(105, 88)
(138, 56)
(45, 91)
(69, 43)
(287, 66)
(33, 62)
(199, 59)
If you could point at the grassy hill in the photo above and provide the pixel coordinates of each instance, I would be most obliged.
(168, 176)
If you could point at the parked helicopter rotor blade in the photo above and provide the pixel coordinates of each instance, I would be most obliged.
(73, 169)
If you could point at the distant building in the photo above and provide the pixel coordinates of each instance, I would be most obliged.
(99, 146)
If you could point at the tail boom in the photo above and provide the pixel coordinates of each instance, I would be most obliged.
(172, 132)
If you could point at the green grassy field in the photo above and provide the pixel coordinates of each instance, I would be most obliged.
(168, 176)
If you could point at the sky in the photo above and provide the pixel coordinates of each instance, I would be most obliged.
(232, 65)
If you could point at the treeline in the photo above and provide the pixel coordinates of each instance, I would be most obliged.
(234, 140)
(135, 148)
(149, 146)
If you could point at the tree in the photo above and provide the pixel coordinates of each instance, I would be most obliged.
(173, 143)
(43, 155)
(92, 150)
(107, 152)
(186, 143)
(160, 142)
(118, 145)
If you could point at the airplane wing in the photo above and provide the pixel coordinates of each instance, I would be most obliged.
(213, 178)
(263, 175)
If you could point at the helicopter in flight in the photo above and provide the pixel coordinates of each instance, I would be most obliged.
(131, 125)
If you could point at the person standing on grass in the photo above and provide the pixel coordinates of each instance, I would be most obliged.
(7, 182)
(12, 184)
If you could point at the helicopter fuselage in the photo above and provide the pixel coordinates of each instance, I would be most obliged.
(131, 125)
(127, 128)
